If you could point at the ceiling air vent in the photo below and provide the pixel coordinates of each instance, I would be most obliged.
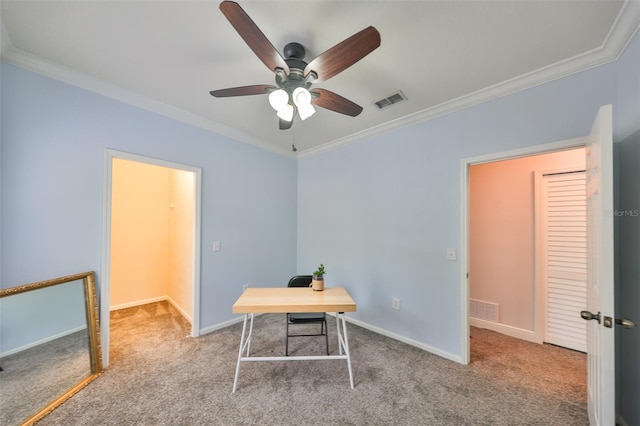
(393, 99)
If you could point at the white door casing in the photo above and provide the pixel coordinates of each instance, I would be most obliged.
(465, 165)
(600, 271)
(105, 286)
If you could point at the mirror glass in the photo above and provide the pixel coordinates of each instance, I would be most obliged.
(49, 345)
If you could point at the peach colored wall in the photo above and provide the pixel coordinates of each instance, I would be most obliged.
(139, 232)
(152, 224)
(501, 232)
(181, 223)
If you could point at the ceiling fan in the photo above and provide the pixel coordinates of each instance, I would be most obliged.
(292, 91)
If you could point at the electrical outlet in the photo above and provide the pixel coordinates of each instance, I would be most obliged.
(395, 303)
(245, 286)
(216, 246)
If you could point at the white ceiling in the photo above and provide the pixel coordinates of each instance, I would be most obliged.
(443, 55)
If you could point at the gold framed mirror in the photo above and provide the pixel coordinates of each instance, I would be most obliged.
(49, 345)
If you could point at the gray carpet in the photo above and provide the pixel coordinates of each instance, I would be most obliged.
(158, 376)
(36, 376)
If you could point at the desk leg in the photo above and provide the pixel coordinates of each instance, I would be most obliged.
(249, 336)
(243, 343)
(344, 342)
(338, 332)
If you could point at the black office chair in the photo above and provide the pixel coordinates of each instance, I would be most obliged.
(306, 318)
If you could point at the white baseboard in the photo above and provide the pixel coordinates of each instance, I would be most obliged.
(137, 303)
(431, 349)
(508, 330)
(222, 325)
(179, 309)
(408, 341)
(152, 300)
(40, 342)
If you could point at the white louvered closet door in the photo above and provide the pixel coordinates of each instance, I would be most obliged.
(565, 240)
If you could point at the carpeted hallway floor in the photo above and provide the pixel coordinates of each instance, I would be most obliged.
(159, 376)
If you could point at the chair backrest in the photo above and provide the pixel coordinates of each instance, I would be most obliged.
(300, 281)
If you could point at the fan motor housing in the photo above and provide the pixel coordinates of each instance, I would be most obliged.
(294, 54)
(294, 50)
(294, 57)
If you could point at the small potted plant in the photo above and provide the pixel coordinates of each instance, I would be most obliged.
(317, 283)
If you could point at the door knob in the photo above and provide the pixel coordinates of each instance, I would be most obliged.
(586, 315)
(626, 323)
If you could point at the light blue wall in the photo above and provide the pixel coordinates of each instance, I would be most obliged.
(54, 138)
(380, 214)
(627, 115)
(56, 311)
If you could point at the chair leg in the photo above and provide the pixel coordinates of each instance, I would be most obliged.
(326, 336)
(324, 329)
(286, 350)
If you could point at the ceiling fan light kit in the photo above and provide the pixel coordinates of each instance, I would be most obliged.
(294, 76)
(279, 100)
(285, 112)
(302, 99)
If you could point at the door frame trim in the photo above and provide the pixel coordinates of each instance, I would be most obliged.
(105, 284)
(465, 163)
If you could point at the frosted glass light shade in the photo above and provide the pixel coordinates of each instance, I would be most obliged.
(306, 111)
(286, 112)
(301, 96)
(302, 99)
(278, 99)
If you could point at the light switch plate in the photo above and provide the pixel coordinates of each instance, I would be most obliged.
(395, 303)
(451, 254)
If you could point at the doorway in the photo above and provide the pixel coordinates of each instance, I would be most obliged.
(600, 270)
(504, 283)
(519, 328)
(151, 237)
(504, 244)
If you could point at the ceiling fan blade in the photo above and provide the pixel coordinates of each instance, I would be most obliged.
(344, 54)
(334, 102)
(258, 89)
(252, 35)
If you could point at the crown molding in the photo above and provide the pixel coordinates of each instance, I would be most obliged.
(36, 64)
(5, 40)
(626, 25)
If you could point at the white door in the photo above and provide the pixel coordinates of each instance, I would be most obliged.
(564, 234)
(600, 271)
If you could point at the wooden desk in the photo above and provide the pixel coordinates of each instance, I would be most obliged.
(289, 300)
